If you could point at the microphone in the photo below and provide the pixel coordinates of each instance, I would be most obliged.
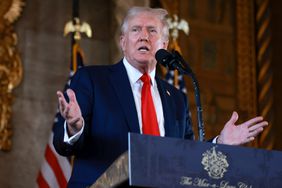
(175, 61)
(172, 61)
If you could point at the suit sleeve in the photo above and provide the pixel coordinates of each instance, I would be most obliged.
(83, 88)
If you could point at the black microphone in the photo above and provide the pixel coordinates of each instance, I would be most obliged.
(164, 57)
(172, 61)
(175, 61)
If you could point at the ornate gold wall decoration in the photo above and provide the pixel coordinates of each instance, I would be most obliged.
(10, 66)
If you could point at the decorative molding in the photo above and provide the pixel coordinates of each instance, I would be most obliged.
(246, 62)
(265, 77)
(10, 67)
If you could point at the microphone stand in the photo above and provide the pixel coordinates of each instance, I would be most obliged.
(183, 68)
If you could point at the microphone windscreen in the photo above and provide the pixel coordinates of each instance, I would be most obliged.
(162, 56)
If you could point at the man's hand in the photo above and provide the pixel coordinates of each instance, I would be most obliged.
(70, 111)
(233, 134)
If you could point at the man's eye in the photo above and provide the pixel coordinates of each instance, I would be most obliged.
(134, 29)
(153, 30)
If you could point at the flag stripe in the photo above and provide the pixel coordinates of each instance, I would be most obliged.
(63, 161)
(53, 162)
(41, 181)
(48, 175)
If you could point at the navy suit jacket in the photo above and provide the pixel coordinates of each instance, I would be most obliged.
(106, 100)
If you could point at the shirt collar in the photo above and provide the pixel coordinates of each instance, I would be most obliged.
(134, 74)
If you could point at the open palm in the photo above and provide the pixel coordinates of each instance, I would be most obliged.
(233, 134)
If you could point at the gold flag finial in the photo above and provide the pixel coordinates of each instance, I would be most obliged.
(77, 27)
(175, 26)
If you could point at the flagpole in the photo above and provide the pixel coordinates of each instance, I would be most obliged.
(75, 9)
(75, 14)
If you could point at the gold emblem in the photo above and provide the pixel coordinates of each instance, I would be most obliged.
(215, 163)
(77, 27)
(175, 25)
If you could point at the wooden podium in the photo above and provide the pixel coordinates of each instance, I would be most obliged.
(170, 163)
(116, 175)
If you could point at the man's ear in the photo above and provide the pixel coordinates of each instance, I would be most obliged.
(165, 44)
(122, 42)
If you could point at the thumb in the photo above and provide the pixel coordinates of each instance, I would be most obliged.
(233, 118)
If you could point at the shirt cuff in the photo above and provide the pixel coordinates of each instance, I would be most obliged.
(71, 140)
(214, 141)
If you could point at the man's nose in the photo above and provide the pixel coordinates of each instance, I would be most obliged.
(144, 35)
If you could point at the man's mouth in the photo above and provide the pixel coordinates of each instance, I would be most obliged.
(143, 49)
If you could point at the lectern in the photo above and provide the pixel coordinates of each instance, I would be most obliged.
(171, 163)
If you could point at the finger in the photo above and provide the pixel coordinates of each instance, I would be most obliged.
(258, 128)
(66, 113)
(250, 139)
(61, 100)
(59, 93)
(71, 95)
(255, 132)
(74, 121)
(62, 104)
(252, 121)
(259, 125)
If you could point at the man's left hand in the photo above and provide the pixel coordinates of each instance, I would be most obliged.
(243, 133)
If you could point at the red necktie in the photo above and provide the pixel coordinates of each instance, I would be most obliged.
(149, 117)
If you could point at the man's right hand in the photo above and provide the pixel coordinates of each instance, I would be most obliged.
(70, 111)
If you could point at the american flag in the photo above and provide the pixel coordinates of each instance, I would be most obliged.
(56, 169)
(173, 77)
(176, 79)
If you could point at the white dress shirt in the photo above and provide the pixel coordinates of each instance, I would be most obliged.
(136, 84)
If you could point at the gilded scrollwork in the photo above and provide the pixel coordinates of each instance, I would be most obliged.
(10, 67)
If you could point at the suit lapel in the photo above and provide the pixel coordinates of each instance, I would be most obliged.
(121, 85)
(168, 108)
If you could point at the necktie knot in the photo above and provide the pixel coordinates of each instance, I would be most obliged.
(145, 78)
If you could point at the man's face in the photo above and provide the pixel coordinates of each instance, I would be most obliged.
(141, 40)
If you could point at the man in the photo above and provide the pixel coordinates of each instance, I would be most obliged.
(106, 102)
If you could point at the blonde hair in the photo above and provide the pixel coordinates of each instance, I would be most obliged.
(160, 13)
